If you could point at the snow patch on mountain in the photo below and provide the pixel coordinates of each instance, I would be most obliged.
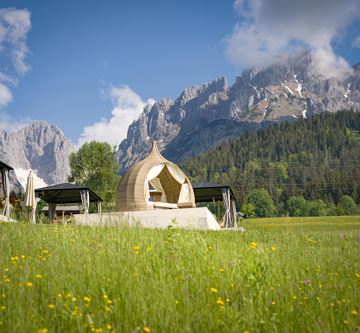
(347, 90)
(287, 88)
(299, 87)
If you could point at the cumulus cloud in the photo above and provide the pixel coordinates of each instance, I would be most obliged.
(5, 95)
(14, 27)
(127, 107)
(271, 28)
(10, 124)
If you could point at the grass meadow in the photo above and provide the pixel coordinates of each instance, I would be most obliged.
(281, 275)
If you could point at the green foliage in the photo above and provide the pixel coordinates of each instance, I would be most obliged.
(263, 203)
(316, 158)
(347, 206)
(281, 275)
(315, 208)
(217, 208)
(296, 205)
(248, 210)
(95, 165)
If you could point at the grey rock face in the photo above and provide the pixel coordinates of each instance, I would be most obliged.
(39, 146)
(203, 116)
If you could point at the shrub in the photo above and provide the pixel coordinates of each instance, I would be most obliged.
(263, 203)
(296, 205)
(347, 206)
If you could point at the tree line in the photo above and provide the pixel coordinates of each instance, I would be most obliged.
(312, 160)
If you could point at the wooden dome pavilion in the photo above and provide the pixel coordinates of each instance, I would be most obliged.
(154, 183)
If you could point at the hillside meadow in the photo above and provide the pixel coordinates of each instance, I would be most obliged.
(281, 275)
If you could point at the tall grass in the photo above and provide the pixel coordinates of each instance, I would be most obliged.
(279, 276)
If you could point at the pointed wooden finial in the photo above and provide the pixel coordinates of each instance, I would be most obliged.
(155, 150)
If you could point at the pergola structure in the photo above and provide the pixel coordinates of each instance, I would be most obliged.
(209, 192)
(68, 194)
(5, 187)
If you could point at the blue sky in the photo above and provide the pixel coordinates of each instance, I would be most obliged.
(82, 53)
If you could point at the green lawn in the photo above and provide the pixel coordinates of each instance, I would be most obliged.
(281, 275)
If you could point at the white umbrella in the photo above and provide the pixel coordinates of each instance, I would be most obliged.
(30, 199)
(6, 184)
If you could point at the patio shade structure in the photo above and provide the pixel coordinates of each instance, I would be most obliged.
(30, 199)
(5, 187)
(209, 192)
(67, 193)
(154, 183)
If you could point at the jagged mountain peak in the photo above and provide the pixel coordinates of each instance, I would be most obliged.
(204, 115)
(39, 146)
(218, 85)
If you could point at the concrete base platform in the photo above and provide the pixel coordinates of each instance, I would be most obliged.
(187, 218)
(3, 218)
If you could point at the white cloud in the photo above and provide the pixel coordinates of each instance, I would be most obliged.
(271, 28)
(5, 95)
(14, 27)
(326, 63)
(127, 107)
(10, 124)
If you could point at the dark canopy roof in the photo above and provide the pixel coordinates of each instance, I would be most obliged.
(208, 192)
(64, 193)
(5, 166)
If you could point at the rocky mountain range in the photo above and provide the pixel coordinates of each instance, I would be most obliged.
(41, 147)
(203, 116)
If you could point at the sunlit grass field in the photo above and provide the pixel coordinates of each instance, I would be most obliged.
(281, 275)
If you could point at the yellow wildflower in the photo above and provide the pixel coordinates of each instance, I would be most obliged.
(136, 248)
(273, 248)
(273, 302)
(147, 329)
(87, 299)
(213, 290)
(51, 306)
(3, 308)
(354, 312)
(109, 327)
(43, 330)
(221, 270)
(28, 284)
(38, 276)
(253, 245)
(98, 330)
(220, 301)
